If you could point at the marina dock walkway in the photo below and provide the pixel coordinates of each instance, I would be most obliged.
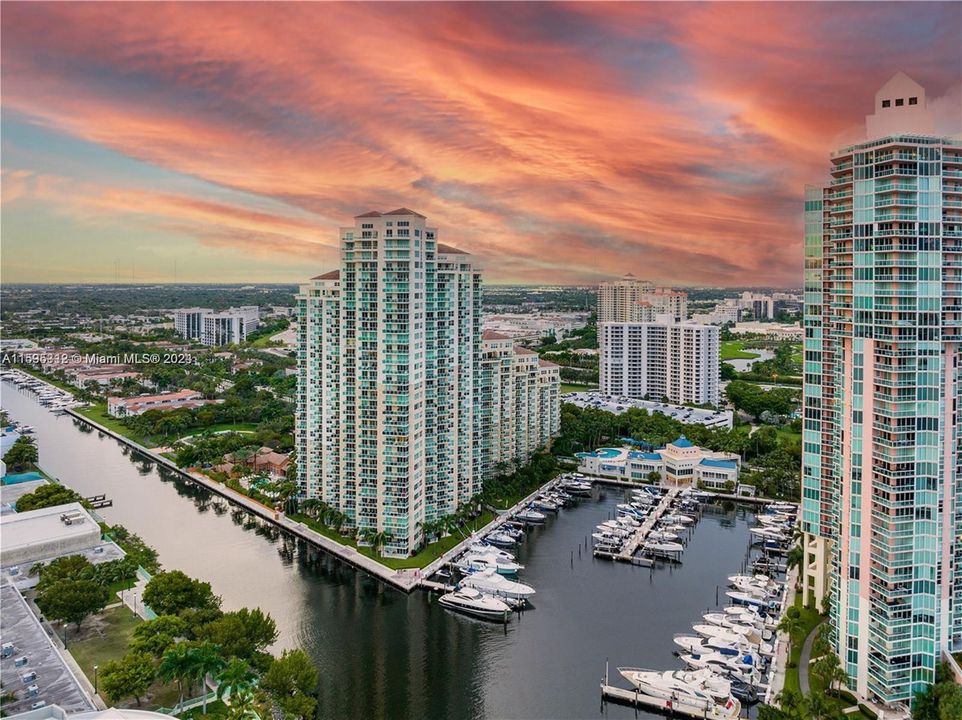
(631, 547)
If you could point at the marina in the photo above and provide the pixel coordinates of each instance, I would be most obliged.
(407, 650)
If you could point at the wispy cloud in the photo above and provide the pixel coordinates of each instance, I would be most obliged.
(558, 142)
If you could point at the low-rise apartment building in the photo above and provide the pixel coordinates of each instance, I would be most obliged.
(139, 404)
(679, 464)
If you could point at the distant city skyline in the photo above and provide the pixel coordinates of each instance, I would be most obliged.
(559, 144)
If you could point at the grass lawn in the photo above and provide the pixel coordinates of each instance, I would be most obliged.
(223, 427)
(735, 350)
(428, 554)
(98, 413)
(103, 638)
(810, 619)
(572, 387)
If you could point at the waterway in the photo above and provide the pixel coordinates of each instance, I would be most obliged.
(381, 653)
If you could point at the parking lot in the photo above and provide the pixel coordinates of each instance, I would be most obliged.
(33, 670)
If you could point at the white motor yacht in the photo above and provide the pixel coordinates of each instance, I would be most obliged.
(665, 686)
(478, 562)
(490, 582)
(471, 602)
(531, 516)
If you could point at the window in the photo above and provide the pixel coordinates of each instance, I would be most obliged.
(913, 101)
(899, 102)
(886, 103)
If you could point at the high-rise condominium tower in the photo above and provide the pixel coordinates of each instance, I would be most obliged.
(617, 298)
(387, 423)
(401, 410)
(881, 490)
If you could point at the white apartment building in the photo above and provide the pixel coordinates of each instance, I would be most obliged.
(660, 303)
(762, 307)
(231, 326)
(677, 361)
(226, 327)
(389, 425)
(724, 313)
(616, 298)
(189, 322)
(521, 409)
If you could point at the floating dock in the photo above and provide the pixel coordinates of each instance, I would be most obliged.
(631, 547)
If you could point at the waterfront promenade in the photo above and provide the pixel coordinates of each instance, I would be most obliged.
(406, 580)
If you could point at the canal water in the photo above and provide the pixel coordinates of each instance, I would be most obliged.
(384, 654)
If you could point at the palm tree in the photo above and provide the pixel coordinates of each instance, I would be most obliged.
(242, 706)
(234, 678)
(206, 659)
(177, 664)
(790, 624)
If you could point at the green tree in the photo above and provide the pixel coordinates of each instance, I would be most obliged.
(22, 455)
(49, 495)
(158, 635)
(177, 665)
(207, 660)
(235, 677)
(127, 677)
(241, 633)
(72, 600)
(168, 593)
(292, 681)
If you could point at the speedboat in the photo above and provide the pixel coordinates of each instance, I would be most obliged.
(735, 622)
(670, 527)
(614, 528)
(768, 533)
(531, 516)
(490, 582)
(746, 599)
(627, 522)
(501, 539)
(471, 602)
(664, 547)
(630, 511)
(782, 507)
(749, 636)
(477, 562)
(742, 667)
(663, 537)
(678, 519)
(665, 686)
(543, 503)
(479, 548)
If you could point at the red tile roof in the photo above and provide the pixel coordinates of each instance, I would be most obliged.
(523, 350)
(404, 211)
(442, 248)
(372, 213)
(547, 364)
(492, 335)
(332, 275)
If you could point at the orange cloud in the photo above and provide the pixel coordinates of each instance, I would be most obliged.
(560, 143)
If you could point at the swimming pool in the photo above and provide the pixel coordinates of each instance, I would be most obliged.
(21, 478)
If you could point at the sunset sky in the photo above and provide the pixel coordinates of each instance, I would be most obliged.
(558, 142)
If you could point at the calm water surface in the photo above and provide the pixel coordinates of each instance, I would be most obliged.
(381, 653)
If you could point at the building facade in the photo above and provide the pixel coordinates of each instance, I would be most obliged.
(617, 298)
(390, 425)
(520, 403)
(231, 326)
(679, 464)
(660, 304)
(227, 327)
(677, 361)
(189, 322)
(880, 465)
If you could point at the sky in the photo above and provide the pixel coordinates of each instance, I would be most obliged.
(559, 143)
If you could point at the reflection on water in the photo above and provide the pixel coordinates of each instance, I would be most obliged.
(381, 653)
